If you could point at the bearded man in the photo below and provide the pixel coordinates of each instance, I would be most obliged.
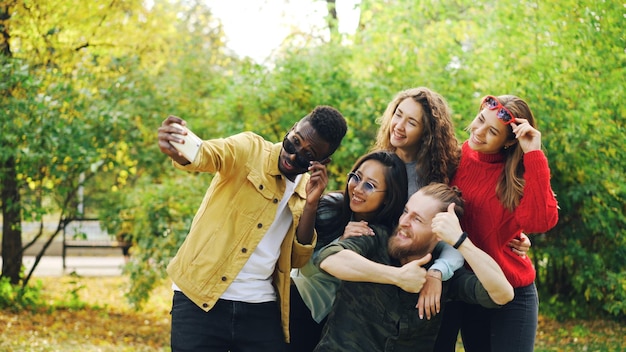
(375, 307)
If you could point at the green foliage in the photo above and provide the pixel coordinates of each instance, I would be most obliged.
(270, 102)
(566, 59)
(60, 131)
(74, 301)
(71, 300)
(161, 218)
(16, 298)
(81, 101)
(583, 119)
(33, 298)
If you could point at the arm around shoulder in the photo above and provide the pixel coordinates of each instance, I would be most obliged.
(348, 265)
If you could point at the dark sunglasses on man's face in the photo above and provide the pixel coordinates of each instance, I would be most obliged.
(492, 103)
(301, 161)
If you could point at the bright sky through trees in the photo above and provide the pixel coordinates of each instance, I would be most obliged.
(255, 28)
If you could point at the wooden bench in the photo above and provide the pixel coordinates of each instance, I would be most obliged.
(87, 233)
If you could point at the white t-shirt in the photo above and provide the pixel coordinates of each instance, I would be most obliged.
(253, 284)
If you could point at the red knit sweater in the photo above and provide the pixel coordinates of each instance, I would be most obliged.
(489, 225)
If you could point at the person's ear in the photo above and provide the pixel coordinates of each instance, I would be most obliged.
(510, 143)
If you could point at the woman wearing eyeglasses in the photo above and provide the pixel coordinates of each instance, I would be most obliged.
(373, 200)
(505, 179)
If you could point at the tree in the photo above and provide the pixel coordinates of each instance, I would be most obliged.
(9, 195)
(75, 92)
(332, 21)
(159, 203)
(465, 50)
(567, 60)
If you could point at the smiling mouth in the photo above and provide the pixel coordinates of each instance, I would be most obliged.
(402, 235)
(476, 140)
(291, 165)
(358, 199)
(288, 164)
(397, 135)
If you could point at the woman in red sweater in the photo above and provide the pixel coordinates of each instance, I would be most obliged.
(505, 180)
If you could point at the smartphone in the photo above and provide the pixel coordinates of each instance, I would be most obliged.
(192, 144)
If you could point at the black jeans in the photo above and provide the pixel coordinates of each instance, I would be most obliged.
(511, 328)
(229, 326)
(304, 331)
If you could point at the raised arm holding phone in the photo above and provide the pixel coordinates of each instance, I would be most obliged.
(255, 223)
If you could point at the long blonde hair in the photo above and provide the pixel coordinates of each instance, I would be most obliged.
(510, 186)
(438, 150)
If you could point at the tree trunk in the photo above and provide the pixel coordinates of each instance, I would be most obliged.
(5, 15)
(332, 21)
(10, 194)
(365, 6)
(12, 223)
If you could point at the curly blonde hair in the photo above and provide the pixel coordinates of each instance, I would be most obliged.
(438, 152)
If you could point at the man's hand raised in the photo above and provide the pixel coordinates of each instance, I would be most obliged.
(167, 134)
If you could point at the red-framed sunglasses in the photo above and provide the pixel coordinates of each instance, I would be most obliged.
(492, 103)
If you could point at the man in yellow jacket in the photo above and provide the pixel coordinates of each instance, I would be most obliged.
(256, 222)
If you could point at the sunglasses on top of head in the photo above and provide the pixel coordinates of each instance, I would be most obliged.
(301, 160)
(368, 187)
(492, 103)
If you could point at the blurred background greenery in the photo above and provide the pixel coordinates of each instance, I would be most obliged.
(85, 84)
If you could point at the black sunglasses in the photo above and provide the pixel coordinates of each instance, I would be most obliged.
(301, 161)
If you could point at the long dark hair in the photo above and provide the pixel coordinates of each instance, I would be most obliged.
(395, 197)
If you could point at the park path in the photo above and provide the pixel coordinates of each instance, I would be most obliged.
(109, 265)
(81, 265)
(82, 261)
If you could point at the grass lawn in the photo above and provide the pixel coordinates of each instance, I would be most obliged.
(108, 323)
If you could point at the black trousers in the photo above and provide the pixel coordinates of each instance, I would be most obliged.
(229, 326)
(305, 332)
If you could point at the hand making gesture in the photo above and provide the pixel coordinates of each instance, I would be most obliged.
(528, 137)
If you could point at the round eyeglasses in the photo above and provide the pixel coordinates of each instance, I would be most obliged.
(367, 187)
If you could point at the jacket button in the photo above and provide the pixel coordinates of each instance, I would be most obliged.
(205, 305)
(224, 278)
(259, 225)
(275, 201)
(244, 250)
(261, 187)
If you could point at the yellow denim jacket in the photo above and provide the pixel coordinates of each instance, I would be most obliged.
(238, 208)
